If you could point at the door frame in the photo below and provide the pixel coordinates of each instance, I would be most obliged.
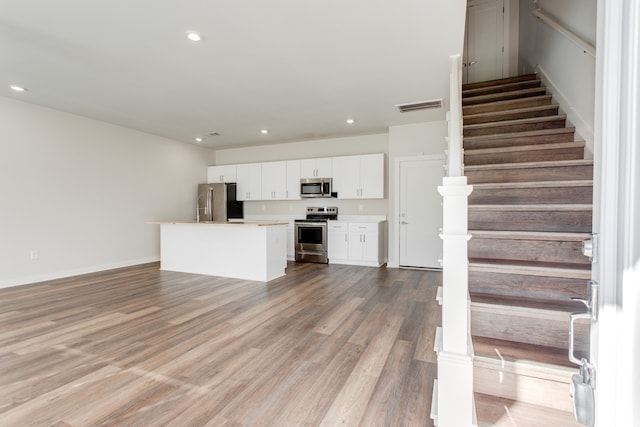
(615, 345)
(396, 202)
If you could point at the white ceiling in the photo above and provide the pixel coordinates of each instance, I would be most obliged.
(298, 68)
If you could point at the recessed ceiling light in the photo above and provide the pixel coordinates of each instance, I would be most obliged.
(193, 36)
(198, 139)
(17, 88)
(351, 121)
(264, 131)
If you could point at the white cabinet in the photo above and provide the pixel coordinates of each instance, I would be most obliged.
(249, 180)
(316, 168)
(359, 177)
(357, 243)
(337, 240)
(281, 180)
(363, 242)
(291, 241)
(224, 173)
(292, 190)
(274, 180)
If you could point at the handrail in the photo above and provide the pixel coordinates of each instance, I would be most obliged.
(454, 163)
(579, 41)
(455, 356)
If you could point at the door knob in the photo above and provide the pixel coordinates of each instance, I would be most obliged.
(472, 63)
(404, 222)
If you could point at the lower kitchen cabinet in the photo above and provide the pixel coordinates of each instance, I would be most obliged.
(357, 243)
(337, 240)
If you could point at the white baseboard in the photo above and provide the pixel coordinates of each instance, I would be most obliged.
(583, 128)
(76, 272)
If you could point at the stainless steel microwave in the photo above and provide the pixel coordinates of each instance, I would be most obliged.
(315, 187)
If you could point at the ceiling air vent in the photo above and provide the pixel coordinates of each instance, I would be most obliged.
(420, 105)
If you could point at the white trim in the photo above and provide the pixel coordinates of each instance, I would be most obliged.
(614, 342)
(583, 127)
(76, 272)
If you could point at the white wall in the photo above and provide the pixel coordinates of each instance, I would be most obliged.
(80, 191)
(568, 72)
(406, 141)
(365, 144)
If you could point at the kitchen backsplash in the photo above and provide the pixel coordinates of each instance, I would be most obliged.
(298, 207)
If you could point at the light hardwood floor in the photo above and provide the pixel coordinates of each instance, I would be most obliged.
(325, 345)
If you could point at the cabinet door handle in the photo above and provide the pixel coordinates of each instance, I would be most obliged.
(364, 238)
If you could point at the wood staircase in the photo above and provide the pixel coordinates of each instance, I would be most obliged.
(529, 212)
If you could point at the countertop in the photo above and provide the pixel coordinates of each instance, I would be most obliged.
(222, 223)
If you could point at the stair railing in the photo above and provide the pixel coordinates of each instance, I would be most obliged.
(454, 387)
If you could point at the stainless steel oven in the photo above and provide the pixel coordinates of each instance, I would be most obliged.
(311, 234)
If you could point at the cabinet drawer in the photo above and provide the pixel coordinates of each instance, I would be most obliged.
(337, 226)
(362, 227)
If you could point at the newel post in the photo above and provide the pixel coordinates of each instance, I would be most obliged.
(455, 358)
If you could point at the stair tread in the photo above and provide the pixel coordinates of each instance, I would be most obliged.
(529, 304)
(508, 102)
(545, 207)
(493, 411)
(511, 111)
(525, 264)
(501, 86)
(516, 122)
(489, 83)
(533, 184)
(529, 235)
(511, 351)
(525, 165)
(540, 147)
(533, 269)
(482, 99)
(521, 134)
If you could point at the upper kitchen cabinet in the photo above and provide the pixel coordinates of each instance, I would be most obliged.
(281, 180)
(224, 173)
(316, 168)
(292, 191)
(274, 179)
(359, 177)
(249, 179)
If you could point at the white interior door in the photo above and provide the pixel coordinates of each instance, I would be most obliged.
(484, 44)
(420, 212)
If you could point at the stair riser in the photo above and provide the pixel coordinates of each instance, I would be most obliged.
(522, 326)
(507, 106)
(531, 196)
(500, 128)
(555, 173)
(498, 82)
(474, 120)
(527, 250)
(523, 388)
(512, 141)
(526, 286)
(529, 84)
(475, 100)
(534, 155)
(560, 221)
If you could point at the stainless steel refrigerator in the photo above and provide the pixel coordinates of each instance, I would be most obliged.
(217, 202)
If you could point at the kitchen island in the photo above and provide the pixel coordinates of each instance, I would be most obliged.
(241, 250)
